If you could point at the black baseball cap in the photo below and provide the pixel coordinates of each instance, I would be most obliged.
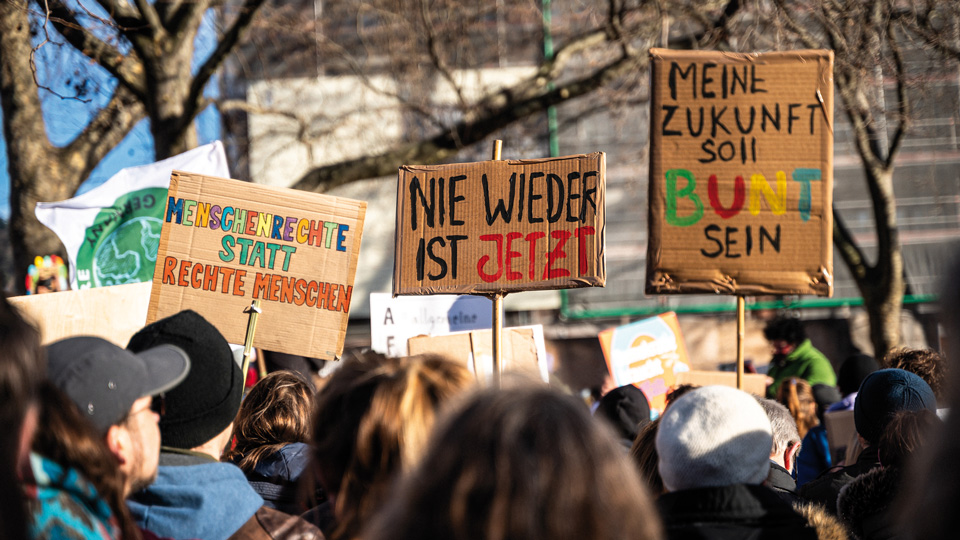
(104, 380)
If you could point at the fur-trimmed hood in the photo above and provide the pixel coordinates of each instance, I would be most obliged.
(828, 527)
(864, 504)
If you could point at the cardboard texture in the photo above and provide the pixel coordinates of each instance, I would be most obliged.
(113, 313)
(500, 226)
(841, 429)
(741, 173)
(753, 383)
(647, 353)
(474, 349)
(225, 243)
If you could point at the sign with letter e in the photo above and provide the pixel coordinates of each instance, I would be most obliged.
(741, 173)
(225, 243)
(500, 226)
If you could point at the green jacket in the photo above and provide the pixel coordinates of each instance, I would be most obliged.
(805, 362)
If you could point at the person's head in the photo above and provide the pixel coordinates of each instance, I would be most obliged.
(677, 391)
(626, 409)
(906, 433)
(113, 389)
(275, 413)
(200, 411)
(785, 334)
(525, 463)
(714, 436)
(883, 394)
(70, 440)
(786, 438)
(797, 396)
(644, 455)
(21, 372)
(930, 365)
(853, 371)
(371, 421)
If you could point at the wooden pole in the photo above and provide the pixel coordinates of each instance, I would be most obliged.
(497, 308)
(741, 324)
(253, 310)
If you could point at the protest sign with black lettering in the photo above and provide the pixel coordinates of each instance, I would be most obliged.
(500, 226)
(741, 173)
(225, 243)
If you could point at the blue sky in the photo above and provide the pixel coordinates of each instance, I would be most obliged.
(63, 69)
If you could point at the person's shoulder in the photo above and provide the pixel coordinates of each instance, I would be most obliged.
(271, 524)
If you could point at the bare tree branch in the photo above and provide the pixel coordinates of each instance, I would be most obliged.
(471, 130)
(111, 124)
(227, 42)
(903, 100)
(150, 16)
(126, 68)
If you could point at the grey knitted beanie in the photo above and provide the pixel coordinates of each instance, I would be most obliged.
(714, 436)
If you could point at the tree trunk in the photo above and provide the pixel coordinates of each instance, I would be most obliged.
(32, 163)
(170, 122)
(882, 286)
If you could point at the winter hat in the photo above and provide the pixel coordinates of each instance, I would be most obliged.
(104, 380)
(714, 436)
(205, 403)
(626, 408)
(886, 392)
(854, 370)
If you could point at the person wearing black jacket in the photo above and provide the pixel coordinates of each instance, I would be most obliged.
(714, 445)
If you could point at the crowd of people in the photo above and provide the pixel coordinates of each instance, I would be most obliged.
(158, 440)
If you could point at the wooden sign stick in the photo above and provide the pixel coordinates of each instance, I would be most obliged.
(497, 307)
(253, 310)
(741, 324)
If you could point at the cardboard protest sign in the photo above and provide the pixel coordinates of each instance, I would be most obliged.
(648, 353)
(741, 173)
(524, 350)
(114, 313)
(500, 226)
(225, 243)
(393, 321)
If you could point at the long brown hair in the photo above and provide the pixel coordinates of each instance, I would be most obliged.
(21, 370)
(71, 441)
(797, 396)
(520, 464)
(371, 421)
(274, 414)
(645, 457)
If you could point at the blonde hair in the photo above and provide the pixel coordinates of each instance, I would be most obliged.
(797, 396)
(372, 420)
(274, 414)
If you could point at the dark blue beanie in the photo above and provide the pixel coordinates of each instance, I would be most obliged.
(886, 392)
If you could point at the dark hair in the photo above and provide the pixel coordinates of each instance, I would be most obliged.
(789, 329)
(71, 441)
(930, 365)
(371, 420)
(21, 370)
(645, 457)
(520, 464)
(274, 414)
(674, 393)
(906, 433)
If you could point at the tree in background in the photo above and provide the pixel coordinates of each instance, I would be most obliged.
(871, 43)
(147, 48)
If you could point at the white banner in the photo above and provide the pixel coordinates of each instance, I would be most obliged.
(395, 320)
(112, 232)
